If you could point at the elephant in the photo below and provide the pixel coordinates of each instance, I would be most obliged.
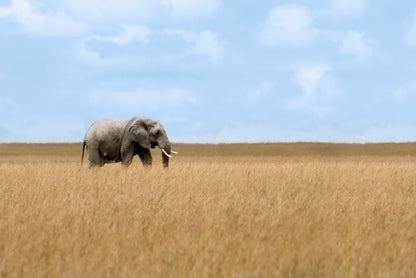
(109, 140)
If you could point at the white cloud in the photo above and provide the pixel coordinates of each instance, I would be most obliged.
(110, 10)
(200, 43)
(411, 33)
(5, 11)
(130, 33)
(143, 98)
(188, 36)
(98, 13)
(287, 24)
(192, 7)
(34, 22)
(308, 78)
(293, 25)
(317, 88)
(132, 10)
(95, 58)
(353, 43)
(206, 43)
(348, 7)
(191, 44)
(86, 54)
(256, 93)
(404, 92)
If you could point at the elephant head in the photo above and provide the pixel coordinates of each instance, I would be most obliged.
(150, 133)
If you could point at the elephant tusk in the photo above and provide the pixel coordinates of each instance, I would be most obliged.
(168, 155)
(173, 152)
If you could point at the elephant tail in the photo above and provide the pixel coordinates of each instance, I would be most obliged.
(83, 147)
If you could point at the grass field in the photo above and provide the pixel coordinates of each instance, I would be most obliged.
(238, 210)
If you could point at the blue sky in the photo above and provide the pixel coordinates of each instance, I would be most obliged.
(210, 70)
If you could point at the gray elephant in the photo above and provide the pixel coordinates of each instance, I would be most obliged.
(109, 141)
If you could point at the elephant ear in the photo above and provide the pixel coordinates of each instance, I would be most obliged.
(139, 133)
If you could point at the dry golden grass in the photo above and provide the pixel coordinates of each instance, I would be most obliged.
(262, 210)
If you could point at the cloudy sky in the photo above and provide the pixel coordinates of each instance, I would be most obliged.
(210, 70)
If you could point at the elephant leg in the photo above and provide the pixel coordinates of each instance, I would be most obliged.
(94, 158)
(146, 157)
(127, 155)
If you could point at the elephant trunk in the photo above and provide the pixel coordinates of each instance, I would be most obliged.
(165, 158)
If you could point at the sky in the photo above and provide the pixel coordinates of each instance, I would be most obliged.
(212, 71)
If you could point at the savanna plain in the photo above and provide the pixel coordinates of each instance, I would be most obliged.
(227, 210)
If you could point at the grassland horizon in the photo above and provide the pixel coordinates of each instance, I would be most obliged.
(220, 210)
(232, 149)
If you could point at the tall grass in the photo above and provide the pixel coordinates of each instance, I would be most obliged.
(236, 211)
